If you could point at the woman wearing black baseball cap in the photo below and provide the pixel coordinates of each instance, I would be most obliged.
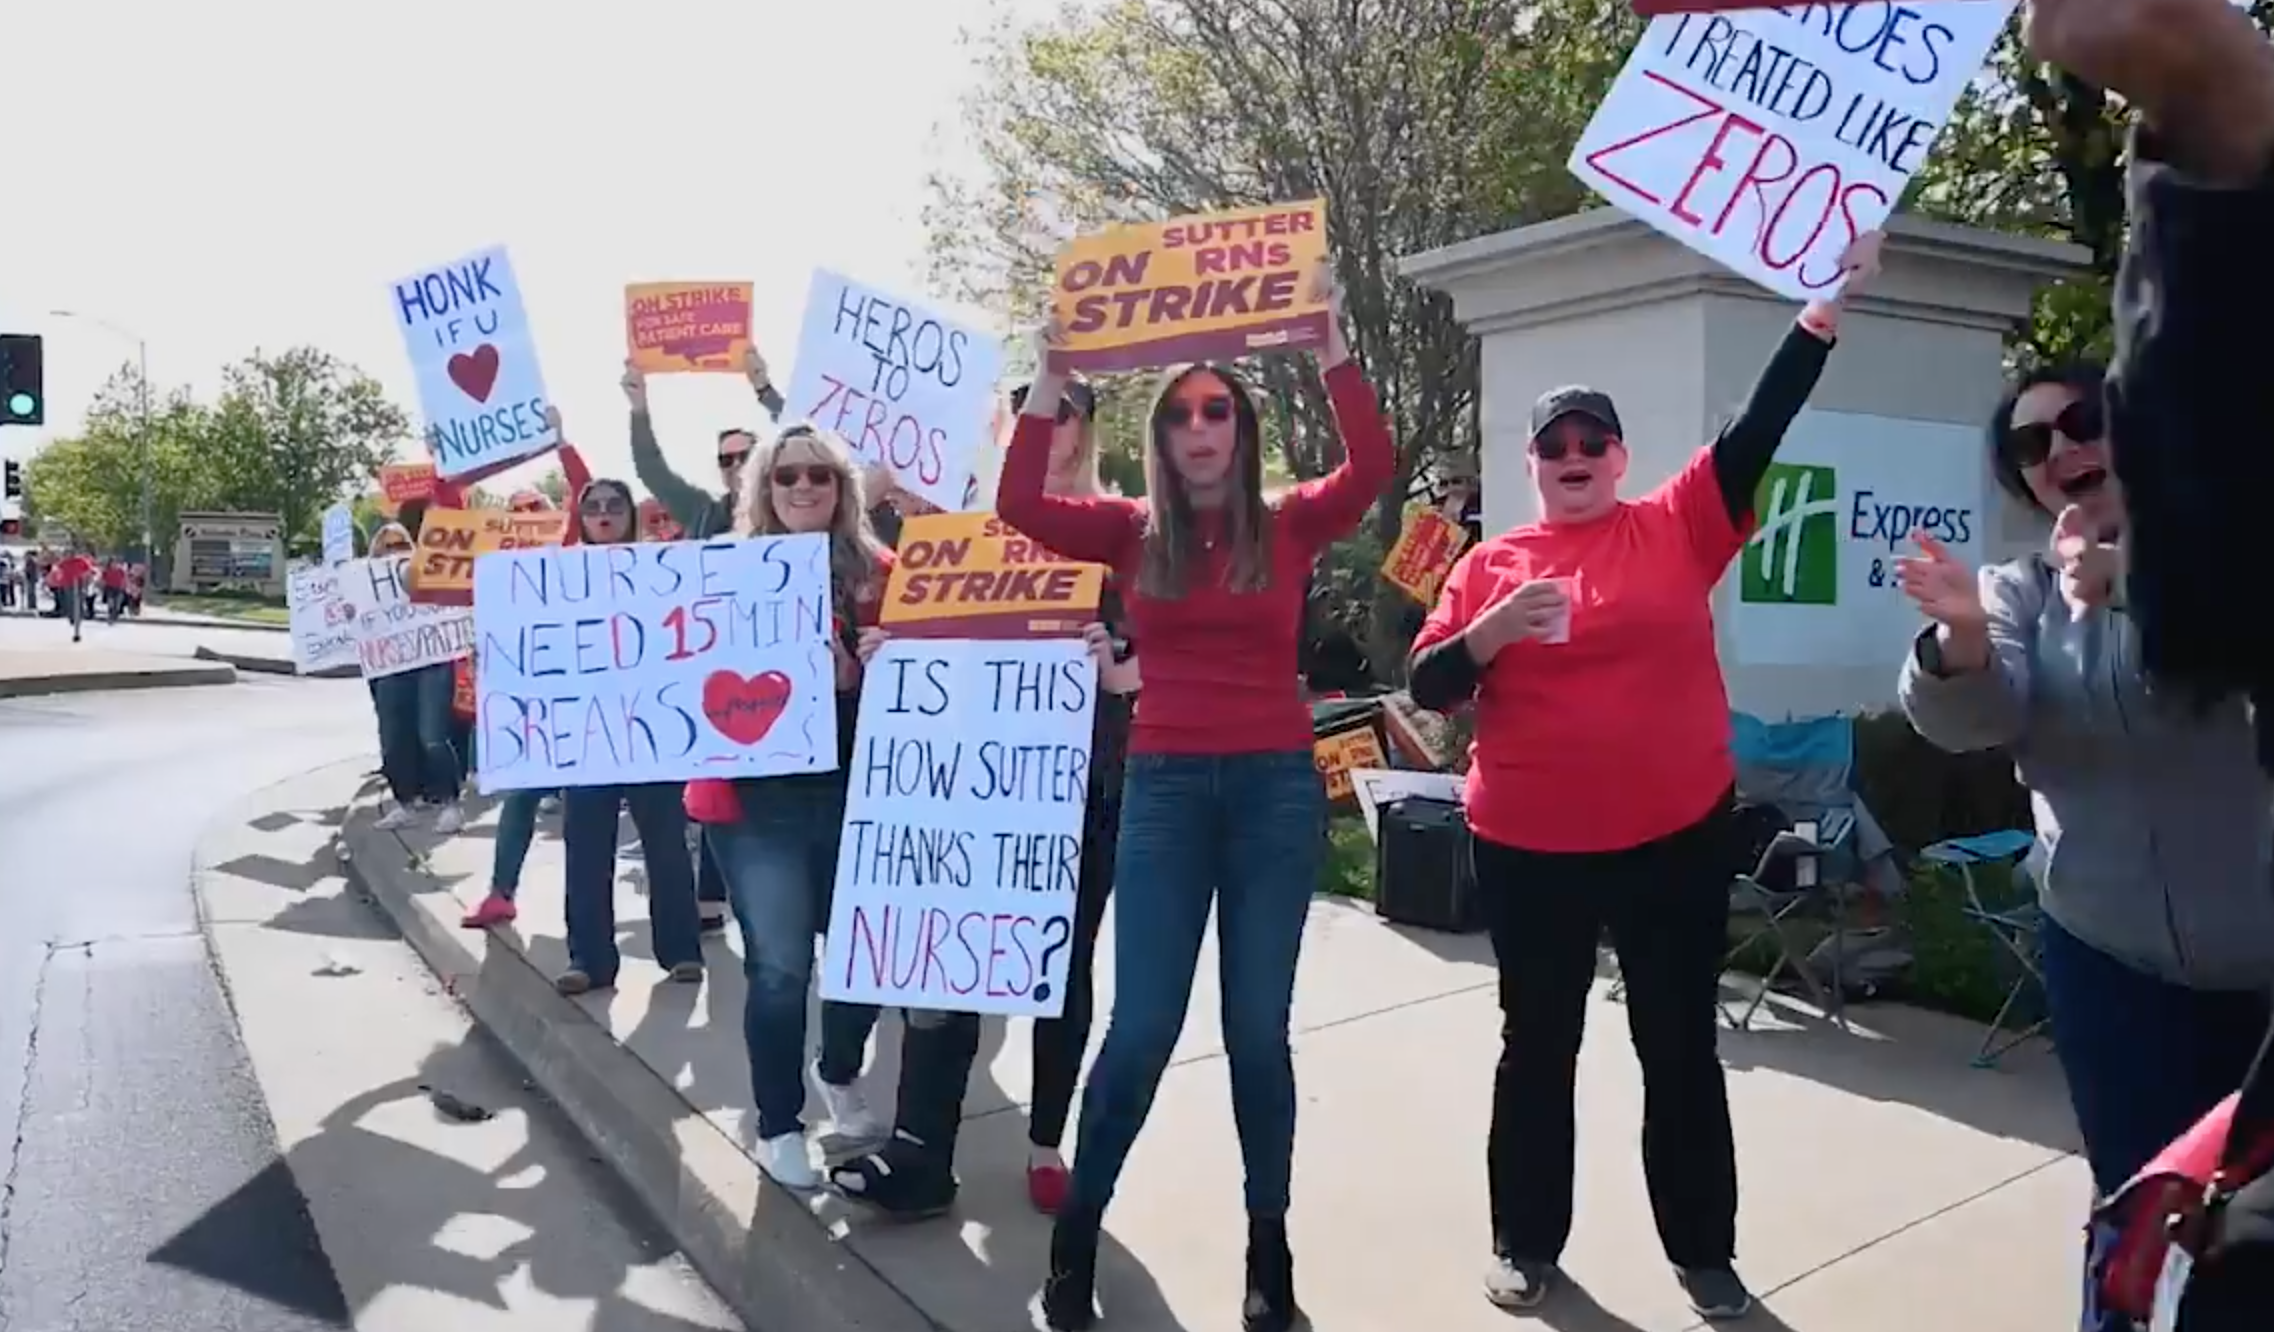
(1599, 793)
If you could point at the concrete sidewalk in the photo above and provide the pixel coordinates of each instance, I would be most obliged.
(172, 619)
(1888, 1185)
(80, 669)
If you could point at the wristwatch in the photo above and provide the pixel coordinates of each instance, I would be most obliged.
(1929, 654)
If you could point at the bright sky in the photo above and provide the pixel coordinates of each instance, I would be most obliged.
(234, 174)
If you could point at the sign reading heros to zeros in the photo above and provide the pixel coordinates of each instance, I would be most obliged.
(1193, 289)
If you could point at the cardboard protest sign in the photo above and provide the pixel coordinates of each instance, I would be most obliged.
(401, 483)
(339, 534)
(478, 381)
(1339, 752)
(906, 387)
(962, 845)
(1768, 140)
(1203, 288)
(687, 327)
(442, 572)
(394, 634)
(1425, 551)
(967, 575)
(322, 622)
(633, 663)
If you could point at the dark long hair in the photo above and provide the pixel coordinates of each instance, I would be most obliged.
(631, 509)
(2086, 378)
(1172, 534)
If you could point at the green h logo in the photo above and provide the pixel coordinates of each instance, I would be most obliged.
(1794, 558)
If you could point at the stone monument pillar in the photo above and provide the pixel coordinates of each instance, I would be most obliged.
(1809, 620)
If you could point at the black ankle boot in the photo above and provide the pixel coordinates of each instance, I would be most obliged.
(1270, 1305)
(1069, 1296)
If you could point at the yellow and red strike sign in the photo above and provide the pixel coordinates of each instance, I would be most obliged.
(1336, 753)
(1424, 554)
(442, 569)
(967, 575)
(400, 483)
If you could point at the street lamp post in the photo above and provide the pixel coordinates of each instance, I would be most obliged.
(142, 430)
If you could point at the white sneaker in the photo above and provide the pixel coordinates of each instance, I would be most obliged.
(850, 1115)
(397, 816)
(451, 818)
(548, 804)
(788, 1161)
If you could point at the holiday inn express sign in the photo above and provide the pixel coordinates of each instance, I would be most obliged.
(1816, 581)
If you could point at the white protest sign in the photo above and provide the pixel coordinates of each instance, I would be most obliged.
(962, 846)
(654, 662)
(394, 634)
(339, 535)
(478, 382)
(905, 386)
(1769, 139)
(323, 624)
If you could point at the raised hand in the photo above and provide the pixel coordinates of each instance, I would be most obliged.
(754, 368)
(1943, 588)
(635, 386)
(1325, 287)
(2091, 570)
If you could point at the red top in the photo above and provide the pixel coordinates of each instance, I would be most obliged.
(452, 495)
(1620, 735)
(1220, 674)
(70, 571)
(114, 575)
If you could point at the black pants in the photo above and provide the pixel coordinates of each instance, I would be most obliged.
(938, 1049)
(1666, 904)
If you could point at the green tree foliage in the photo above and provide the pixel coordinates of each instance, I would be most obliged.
(290, 435)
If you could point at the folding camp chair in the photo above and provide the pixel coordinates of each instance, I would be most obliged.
(2014, 927)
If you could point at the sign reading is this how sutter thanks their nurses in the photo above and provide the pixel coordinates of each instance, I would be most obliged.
(654, 662)
(1204, 288)
(478, 382)
(1770, 138)
(967, 575)
(962, 845)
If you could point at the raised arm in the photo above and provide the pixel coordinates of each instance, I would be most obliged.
(1097, 528)
(686, 502)
(1324, 511)
(1965, 680)
(762, 383)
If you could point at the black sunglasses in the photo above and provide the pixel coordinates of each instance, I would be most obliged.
(1215, 411)
(729, 461)
(1552, 448)
(2081, 421)
(604, 506)
(815, 474)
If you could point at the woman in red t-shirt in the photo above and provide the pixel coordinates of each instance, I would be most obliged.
(776, 837)
(1599, 790)
(1221, 803)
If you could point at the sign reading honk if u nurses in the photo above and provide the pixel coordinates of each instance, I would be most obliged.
(478, 382)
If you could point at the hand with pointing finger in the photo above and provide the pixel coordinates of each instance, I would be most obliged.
(2091, 570)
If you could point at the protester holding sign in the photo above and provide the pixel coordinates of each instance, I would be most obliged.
(412, 702)
(606, 516)
(914, 1173)
(1221, 803)
(698, 512)
(1599, 794)
(776, 837)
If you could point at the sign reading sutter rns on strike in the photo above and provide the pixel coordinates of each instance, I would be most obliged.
(442, 570)
(966, 575)
(1193, 288)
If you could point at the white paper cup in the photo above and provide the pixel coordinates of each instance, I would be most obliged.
(1560, 631)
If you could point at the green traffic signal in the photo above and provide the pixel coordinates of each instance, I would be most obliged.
(21, 404)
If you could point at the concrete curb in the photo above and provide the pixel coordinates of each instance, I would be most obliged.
(88, 682)
(775, 1263)
(179, 622)
(273, 665)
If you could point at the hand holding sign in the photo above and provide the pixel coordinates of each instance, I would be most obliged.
(2091, 570)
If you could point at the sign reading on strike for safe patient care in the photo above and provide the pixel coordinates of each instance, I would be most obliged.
(478, 382)
(962, 844)
(442, 570)
(967, 575)
(1208, 288)
(652, 662)
(906, 386)
(394, 634)
(687, 327)
(1769, 139)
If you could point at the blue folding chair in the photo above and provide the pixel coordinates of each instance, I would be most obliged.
(2014, 927)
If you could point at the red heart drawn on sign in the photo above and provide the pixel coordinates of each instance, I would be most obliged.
(475, 371)
(744, 709)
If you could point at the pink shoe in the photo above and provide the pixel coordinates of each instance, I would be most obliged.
(496, 909)
(1046, 1187)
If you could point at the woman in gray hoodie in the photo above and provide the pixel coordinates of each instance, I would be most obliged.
(2152, 820)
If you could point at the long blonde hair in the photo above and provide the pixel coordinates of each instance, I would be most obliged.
(855, 554)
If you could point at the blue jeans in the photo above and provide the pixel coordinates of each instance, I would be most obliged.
(588, 819)
(414, 734)
(780, 863)
(710, 880)
(516, 829)
(1246, 832)
(2144, 1058)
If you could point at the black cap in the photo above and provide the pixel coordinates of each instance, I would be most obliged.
(1571, 400)
(1078, 392)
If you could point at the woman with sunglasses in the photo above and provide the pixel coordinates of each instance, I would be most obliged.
(1221, 804)
(606, 516)
(2152, 819)
(776, 837)
(913, 1174)
(1599, 792)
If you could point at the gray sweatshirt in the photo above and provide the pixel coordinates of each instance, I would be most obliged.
(2153, 819)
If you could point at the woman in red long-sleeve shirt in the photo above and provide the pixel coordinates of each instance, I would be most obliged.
(1221, 802)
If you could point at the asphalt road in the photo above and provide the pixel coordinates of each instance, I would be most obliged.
(163, 640)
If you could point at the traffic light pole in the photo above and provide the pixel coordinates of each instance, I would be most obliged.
(142, 368)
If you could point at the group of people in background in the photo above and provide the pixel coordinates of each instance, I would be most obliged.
(78, 586)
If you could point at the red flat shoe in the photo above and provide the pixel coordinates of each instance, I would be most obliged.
(1046, 1188)
(494, 910)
